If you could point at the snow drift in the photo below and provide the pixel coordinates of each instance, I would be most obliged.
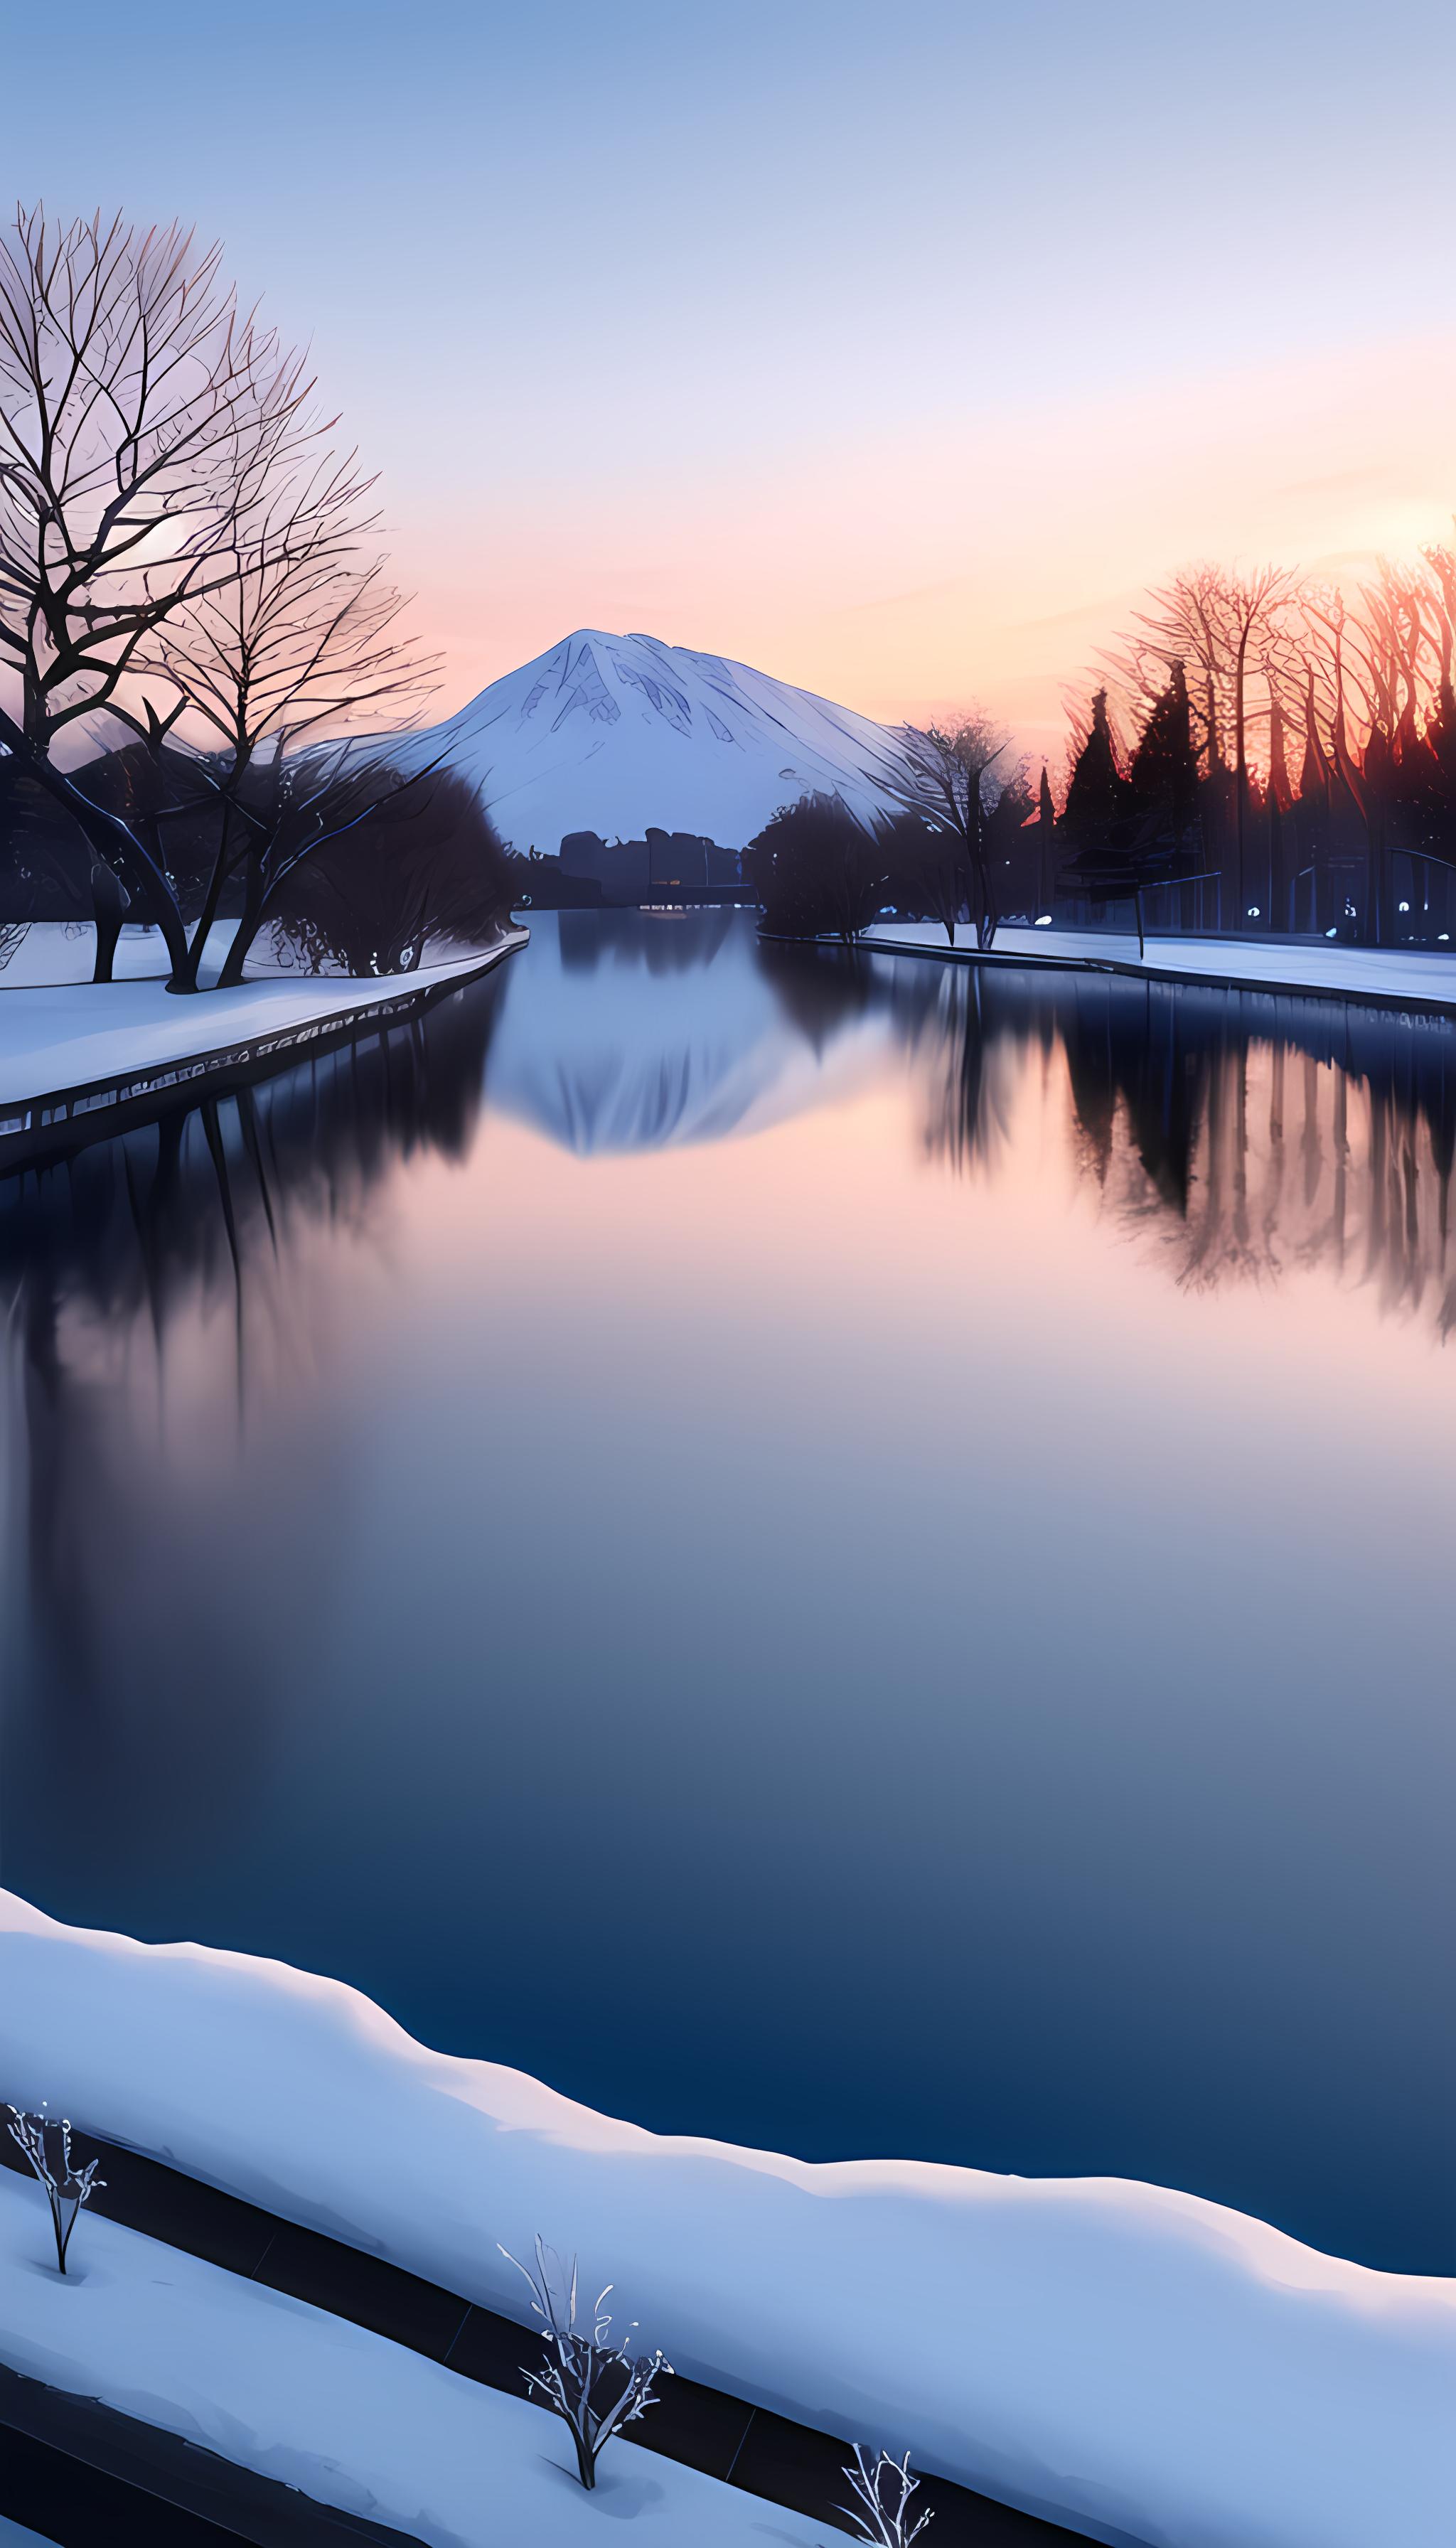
(608, 733)
(1139, 2363)
(312, 2401)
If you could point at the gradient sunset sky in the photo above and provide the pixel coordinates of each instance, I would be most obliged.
(889, 348)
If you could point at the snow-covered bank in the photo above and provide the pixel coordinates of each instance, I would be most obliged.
(1350, 972)
(1138, 2363)
(315, 2402)
(60, 1036)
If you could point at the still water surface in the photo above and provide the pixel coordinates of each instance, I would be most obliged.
(835, 1552)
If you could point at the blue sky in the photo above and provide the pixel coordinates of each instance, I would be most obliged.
(741, 318)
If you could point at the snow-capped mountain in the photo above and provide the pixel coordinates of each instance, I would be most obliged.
(610, 734)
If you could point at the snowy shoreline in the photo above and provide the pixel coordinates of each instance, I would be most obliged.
(108, 1043)
(1384, 973)
(1140, 2363)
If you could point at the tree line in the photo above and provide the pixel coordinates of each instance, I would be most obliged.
(189, 556)
(1256, 752)
(1296, 745)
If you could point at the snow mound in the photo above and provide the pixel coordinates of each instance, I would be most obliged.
(608, 733)
(1138, 2363)
(312, 2401)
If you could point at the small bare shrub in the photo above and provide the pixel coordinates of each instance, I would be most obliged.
(884, 2488)
(594, 2386)
(46, 2147)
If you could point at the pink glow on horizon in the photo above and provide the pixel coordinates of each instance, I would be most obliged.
(983, 556)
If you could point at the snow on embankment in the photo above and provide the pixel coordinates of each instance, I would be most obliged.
(1417, 974)
(314, 2402)
(1142, 2364)
(69, 1035)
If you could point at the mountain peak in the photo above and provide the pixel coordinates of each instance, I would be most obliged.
(609, 732)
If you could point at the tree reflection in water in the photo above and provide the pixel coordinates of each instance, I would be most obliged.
(145, 1248)
(1250, 1134)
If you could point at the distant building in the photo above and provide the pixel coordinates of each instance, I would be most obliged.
(632, 871)
(620, 870)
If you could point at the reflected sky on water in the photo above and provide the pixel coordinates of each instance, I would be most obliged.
(839, 1552)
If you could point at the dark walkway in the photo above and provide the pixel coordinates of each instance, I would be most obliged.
(704, 2428)
(86, 2477)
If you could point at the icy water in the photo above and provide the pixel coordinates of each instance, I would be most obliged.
(839, 1553)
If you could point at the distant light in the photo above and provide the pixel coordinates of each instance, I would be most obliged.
(1404, 906)
(1445, 934)
(1253, 911)
(1046, 920)
(1330, 933)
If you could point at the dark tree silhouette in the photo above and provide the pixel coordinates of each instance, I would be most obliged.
(817, 872)
(421, 860)
(1098, 797)
(947, 767)
(925, 870)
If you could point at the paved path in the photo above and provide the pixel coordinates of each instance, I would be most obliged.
(1391, 976)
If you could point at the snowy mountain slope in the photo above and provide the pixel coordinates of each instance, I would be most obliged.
(608, 733)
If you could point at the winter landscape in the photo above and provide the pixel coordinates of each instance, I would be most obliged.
(727, 1116)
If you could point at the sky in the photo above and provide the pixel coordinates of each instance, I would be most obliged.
(891, 349)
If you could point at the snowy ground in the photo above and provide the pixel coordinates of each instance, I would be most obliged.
(1392, 973)
(351, 2419)
(60, 1029)
(1139, 2363)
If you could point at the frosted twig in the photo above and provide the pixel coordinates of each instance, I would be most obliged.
(53, 2166)
(594, 2386)
(884, 2488)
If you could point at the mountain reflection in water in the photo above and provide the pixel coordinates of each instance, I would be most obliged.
(938, 1477)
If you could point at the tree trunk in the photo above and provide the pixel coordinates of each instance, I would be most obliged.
(109, 902)
(254, 897)
(110, 840)
(208, 913)
(986, 916)
(1241, 778)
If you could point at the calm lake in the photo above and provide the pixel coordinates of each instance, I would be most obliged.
(832, 1551)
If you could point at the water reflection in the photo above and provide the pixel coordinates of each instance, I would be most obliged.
(1249, 1136)
(188, 1234)
(746, 1409)
(647, 1032)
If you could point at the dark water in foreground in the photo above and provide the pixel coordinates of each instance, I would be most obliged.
(842, 1554)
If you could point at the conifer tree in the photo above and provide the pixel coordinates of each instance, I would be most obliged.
(1097, 795)
(1164, 778)
(1045, 844)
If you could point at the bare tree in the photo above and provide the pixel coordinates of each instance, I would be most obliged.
(46, 2147)
(1235, 630)
(595, 2387)
(883, 2486)
(143, 418)
(946, 766)
(304, 634)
